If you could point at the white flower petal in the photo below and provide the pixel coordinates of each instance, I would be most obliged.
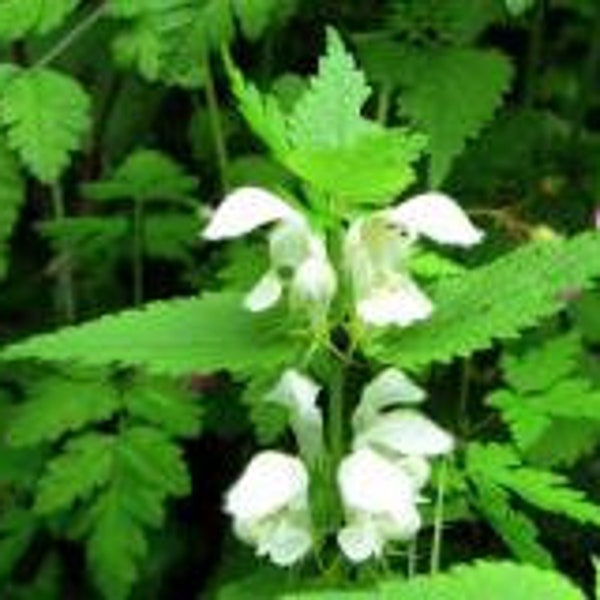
(360, 542)
(371, 483)
(265, 294)
(313, 286)
(290, 244)
(298, 393)
(272, 481)
(246, 209)
(437, 217)
(406, 432)
(286, 544)
(417, 468)
(401, 305)
(390, 388)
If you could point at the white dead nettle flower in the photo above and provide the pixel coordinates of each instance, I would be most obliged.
(378, 249)
(293, 249)
(382, 480)
(385, 420)
(380, 504)
(298, 393)
(269, 506)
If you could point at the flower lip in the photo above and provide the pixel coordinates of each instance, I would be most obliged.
(246, 209)
(271, 482)
(406, 432)
(438, 217)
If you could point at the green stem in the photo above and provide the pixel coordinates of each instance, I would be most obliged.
(438, 519)
(65, 284)
(534, 55)
(72, 36)
(383, 103)
(463, 399)
(216, 126)
(138, 252)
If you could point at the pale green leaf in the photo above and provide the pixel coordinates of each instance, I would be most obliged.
(45, 114)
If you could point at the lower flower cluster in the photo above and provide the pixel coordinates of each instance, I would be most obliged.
(380, 481)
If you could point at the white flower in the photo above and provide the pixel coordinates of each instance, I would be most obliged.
(269, 506)
(298, 393)
(382, 422)
(294, 249)
(378, 250)
(380, 503)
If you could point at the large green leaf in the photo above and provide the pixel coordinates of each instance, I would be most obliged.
(173, 337)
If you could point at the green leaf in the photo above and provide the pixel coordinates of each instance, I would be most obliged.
(56, 405)
(256, 16)
(145, 175)
(176, 337)
(518, 7)
(12, 196)
(495, 302)
(466, 582)
(171, 236)
(164, 404)
(517, 530)
(84, 466)
(45, 114)
(452, 95)
(262, 112)
(546, 490)
(20, 17)
(328, 115)
(372, 170)
(147, 469)
(522, 582)
(17, 530)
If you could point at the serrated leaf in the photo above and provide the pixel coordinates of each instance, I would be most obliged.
(12, 196)
(328, 114)
(45, 114)
(499, 465)
(495, 302)
(171, 236)
(84, 466)
(56, 405)
(148, 468)
(20, 17)
(164, 404)
(145, 175)
(371, 170)
(176, 337)
(454, 94)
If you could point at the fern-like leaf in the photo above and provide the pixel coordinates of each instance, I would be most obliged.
(455, 92)
(84, 466)
(56, 405)
(176, 337)
(495, 302)
(546, 490)
(45, 114)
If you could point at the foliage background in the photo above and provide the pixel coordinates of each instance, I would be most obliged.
(119, 127)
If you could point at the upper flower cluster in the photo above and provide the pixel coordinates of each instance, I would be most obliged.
(380, 481)
(377, 252)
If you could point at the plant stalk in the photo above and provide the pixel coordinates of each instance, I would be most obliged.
(65, 285)
(72, 36)
(216, 126)
(438, 519)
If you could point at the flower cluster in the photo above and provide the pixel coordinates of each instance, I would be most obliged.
(377, 252)
(381, 480)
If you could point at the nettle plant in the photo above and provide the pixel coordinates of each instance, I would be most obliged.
(334, 325)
